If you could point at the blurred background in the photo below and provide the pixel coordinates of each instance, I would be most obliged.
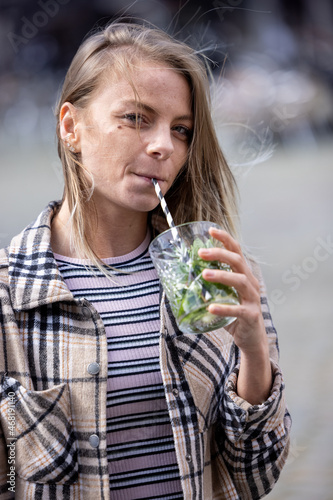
(272, 102)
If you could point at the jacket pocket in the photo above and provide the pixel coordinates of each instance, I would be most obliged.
(39, 433)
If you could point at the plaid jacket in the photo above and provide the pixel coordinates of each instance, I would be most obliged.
(53, 407)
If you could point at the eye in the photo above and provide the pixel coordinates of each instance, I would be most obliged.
(183, 131)
(134, 118)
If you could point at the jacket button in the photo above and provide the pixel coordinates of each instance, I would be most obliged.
(86, 312)
(175, 392)
(94, 440)
(188, 458)
(93, 368)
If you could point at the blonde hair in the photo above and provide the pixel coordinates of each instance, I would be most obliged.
(205, 188)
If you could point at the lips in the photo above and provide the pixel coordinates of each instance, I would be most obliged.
(150, 177)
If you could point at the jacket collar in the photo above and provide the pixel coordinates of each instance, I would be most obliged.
(34, 277)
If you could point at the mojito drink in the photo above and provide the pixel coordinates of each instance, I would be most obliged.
(180, 270)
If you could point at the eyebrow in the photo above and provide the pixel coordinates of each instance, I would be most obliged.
(150, 109)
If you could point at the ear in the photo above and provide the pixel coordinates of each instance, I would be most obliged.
(68, 120)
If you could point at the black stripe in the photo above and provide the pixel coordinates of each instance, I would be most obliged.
(170, 496)
(125, 423)
(139, 337)
(4, 336)
(145, 368)
(140, 448)
(56, 342)
(149, 284)
(30, 348)
(53, 491)
(43, 344)
(148, 476)
(138, 311)
(143, 256)
(145, 483)
(114, 296)
(39, 491)
(66, 492)
(149, 394)
(129, 322)
(88, 273)
(130, 341)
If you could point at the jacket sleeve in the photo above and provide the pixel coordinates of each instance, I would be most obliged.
(254, 439)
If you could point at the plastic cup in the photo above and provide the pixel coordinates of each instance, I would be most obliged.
(180, 271)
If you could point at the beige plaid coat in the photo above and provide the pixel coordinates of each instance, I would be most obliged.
(53, 411)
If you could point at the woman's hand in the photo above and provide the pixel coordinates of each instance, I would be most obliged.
(248, 331)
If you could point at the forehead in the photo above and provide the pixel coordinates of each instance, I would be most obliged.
(142, 81)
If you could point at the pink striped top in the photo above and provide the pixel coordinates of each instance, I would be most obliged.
(140, 447)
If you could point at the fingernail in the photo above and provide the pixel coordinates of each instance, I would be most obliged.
(208, 274)
(213, 309)
(204, 251)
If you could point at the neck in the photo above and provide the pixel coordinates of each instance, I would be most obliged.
(114, 235)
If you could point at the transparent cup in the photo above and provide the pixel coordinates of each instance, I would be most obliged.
(180, 269)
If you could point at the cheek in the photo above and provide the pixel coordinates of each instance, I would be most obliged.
(118, 142)
(99, 146)
(182, 156)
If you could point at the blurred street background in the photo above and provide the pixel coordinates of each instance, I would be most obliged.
(272, 62)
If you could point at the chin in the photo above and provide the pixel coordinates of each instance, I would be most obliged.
(145, 206)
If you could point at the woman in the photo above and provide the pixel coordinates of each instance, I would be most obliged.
(110, 399)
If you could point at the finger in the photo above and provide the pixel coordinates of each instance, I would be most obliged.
(234, 260)
(251, 315)
(239, 281)
(226, 310)
(228, 241)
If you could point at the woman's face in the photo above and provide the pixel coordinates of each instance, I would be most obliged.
(124, 158)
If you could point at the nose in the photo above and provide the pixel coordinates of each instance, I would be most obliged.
(160, 145)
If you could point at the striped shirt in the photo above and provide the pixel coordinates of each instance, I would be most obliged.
(140, 446)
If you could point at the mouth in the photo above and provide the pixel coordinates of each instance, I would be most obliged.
(149, 178)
